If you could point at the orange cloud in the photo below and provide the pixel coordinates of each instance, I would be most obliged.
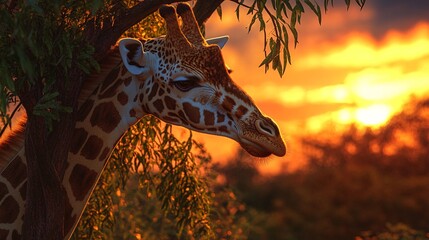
(340, 73)
(361, 50)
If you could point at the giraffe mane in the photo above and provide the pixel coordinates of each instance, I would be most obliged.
(12, 142)
(97, 77)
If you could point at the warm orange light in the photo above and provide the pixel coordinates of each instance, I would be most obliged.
(373, 115)
(339, 75)
(361, 50)
(345, 116)
(381, 77)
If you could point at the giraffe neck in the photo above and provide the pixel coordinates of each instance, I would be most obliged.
(101, 122)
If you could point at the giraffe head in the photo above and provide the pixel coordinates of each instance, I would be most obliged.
(184, 81)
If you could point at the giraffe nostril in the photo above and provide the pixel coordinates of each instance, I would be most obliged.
(265, 128)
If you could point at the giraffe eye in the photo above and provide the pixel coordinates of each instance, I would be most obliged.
(186, 84)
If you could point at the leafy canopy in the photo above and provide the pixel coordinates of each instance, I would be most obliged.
(278, 20)
(40, 42)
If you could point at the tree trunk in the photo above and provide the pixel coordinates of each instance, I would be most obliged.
(44, 212)
(46, 154)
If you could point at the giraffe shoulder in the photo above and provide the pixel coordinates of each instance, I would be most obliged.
(12, 142)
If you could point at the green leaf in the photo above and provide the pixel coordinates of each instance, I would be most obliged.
(299, 7)
(6, 78)
(286, 46)
(25, 63)
(288, 5)
(316, 9)
(237, 10)
(293, 18)
(254, 17)
(360, 3)
(348, 3)
(251, 8)
(295, 34)
(261, 21)
(49, 108)
(261, 5)
(271, 55)
(280, 8)
(219, 11)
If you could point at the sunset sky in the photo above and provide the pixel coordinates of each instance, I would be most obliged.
(358, 66)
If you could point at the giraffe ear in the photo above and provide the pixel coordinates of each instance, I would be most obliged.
(133, 56)
(220, 41)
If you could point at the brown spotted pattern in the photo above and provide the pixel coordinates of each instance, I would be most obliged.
(104, 154)
(170, 103)
(228, 103)
(133, 113)
(159, 105)
(122, 98)
(92, 147)
(127, 80)
(78, 139)
(105, 116)
(81, 181)
(85, 110)
(10, 210)
(111, 91)
(241, 110)
(192, 112)
(15, 173)
(208, 118)
(110, 79)
(3, 190)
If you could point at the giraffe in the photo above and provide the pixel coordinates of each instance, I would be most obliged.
(180, 78)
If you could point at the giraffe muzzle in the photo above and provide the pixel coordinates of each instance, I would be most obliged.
(272, 139)
(266, 141)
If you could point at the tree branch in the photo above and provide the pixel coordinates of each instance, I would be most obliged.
(203, 9)
(126, 19)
